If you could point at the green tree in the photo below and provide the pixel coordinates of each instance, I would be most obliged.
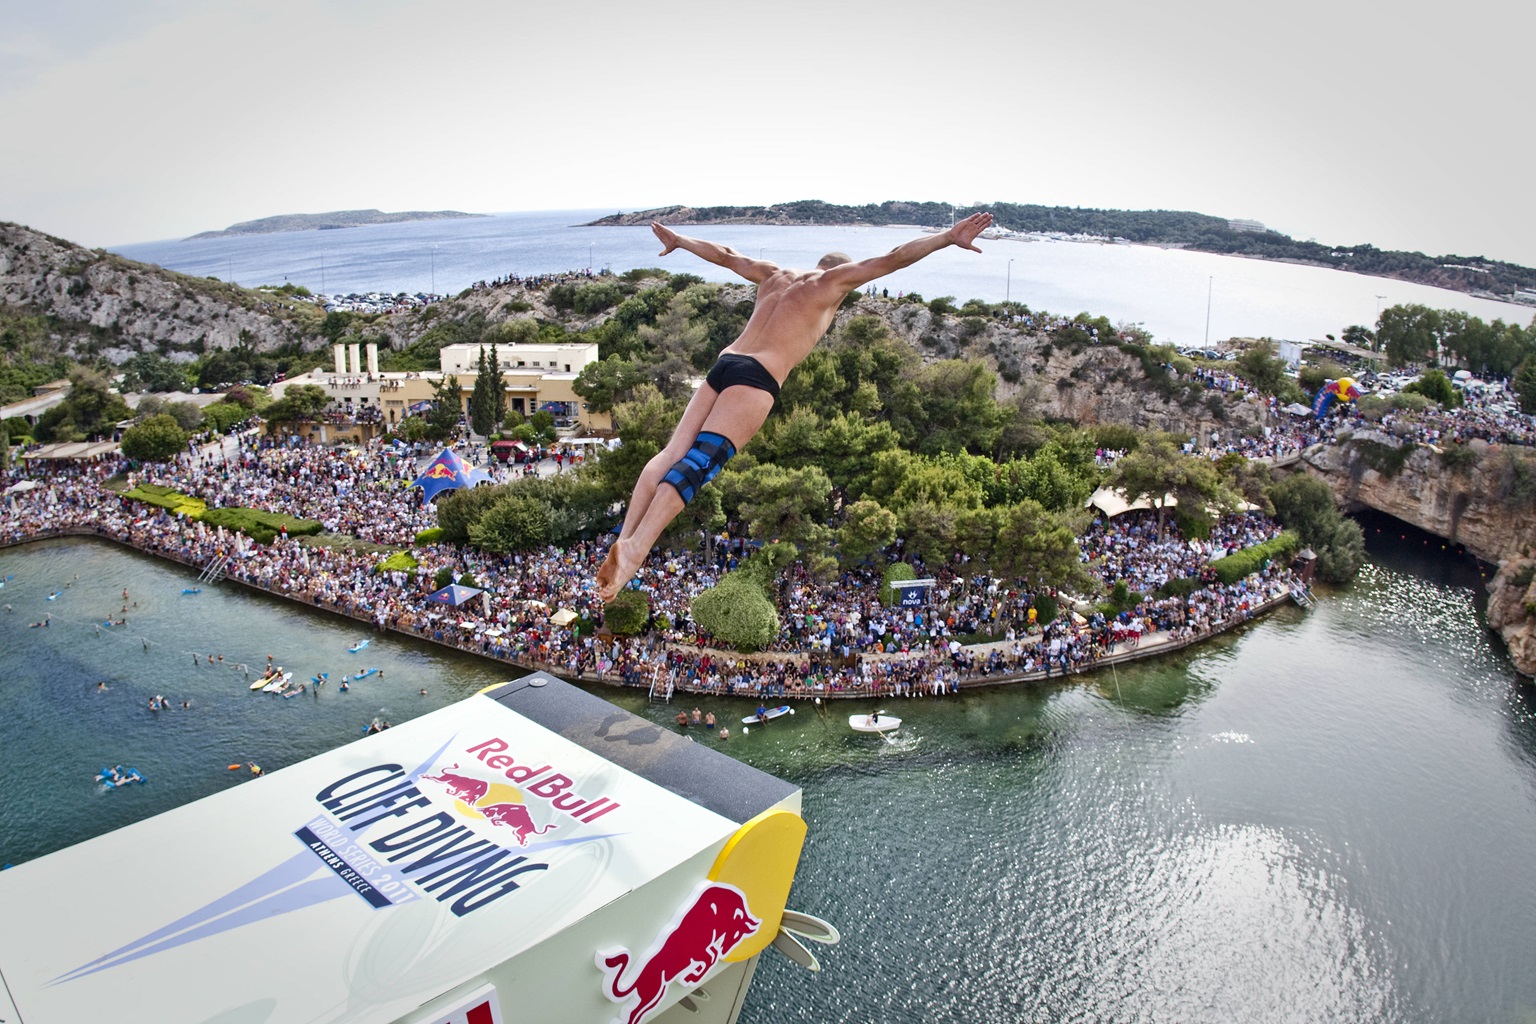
(1158, 470)
(866, 530)
(737, 612)
(671, 344)
(645, 425)
(498, 387)
(607, 382)
(1525, 384)
(91, 410)
(1305, 505)
(188, 415)
(1434, 384)
(1262, 368)
(150, 372)
(458, 511)
(788, 505)
(514, 523)
(958, 412)
(482, 400)
(300, 402)
(157, 439)
(1409, 334)
(928, 528)
(446, 407)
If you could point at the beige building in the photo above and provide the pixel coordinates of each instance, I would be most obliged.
(536, 377)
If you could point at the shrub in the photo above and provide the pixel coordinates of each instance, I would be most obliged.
(626, 614)
(431, 535)
(1458, 458)
(1046, 608)
(165, 497)
(736, 612)
(1383, 458)
(442, 578)
(1178, 588)
(897, 573)
(1250, 560)
(1121, 596)
(468, 580)
(259, 525)
(400, 561)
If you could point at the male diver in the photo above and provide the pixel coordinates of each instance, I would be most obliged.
(794, 308)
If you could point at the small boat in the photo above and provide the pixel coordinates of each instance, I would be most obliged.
(364, 674)
(277, 683)
(877, 722)
(119, 776)
(191, 590)
(358, 646)
(768, 715)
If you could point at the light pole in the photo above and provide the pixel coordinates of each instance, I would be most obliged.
(433, 253)
(1209, 288)
(589, 257)
(1008, 287)
(322, 272)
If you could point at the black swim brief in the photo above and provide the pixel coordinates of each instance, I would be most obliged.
(732, 369)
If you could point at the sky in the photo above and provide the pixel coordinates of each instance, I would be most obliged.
(1403, 126)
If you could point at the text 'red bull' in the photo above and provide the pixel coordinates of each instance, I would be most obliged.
(542, 782)
(708, 928)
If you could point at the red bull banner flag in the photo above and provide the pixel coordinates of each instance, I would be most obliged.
(385, 880)
(447, 472)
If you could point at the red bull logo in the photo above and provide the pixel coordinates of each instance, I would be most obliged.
(712, 924)
(541, 782)
(438, 471)
(495, 802)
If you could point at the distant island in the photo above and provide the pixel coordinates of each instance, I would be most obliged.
(326, 221)
(1178, 229)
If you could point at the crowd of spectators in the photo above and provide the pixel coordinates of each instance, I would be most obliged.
(836, 638)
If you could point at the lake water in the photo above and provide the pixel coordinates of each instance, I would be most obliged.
(1328, 816)
(1166, 290)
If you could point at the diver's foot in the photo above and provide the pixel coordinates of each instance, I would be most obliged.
(618, 569)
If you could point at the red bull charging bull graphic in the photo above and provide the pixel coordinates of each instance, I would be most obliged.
(708, 927)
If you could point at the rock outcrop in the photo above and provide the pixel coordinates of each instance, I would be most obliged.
(1483, 503)
(102, 304)
(1512, 610)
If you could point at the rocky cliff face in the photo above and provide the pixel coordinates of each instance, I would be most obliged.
(1512, 610)
(106, 305)
(1485, 505)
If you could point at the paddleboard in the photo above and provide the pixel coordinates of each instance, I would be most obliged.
(769, 715)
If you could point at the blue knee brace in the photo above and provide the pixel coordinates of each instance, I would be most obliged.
(701, 465)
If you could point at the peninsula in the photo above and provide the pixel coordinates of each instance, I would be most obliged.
(1475, 275)
(323, 221)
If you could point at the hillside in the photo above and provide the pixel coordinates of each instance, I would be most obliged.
(325, 221)
(84, 303)
(1173, 228)
(61, 299)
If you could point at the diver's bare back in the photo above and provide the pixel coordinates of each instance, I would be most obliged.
(794, 309)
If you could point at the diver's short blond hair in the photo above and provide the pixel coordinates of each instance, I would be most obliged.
(833, 259)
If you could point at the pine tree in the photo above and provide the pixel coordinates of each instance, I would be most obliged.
(498, 387)
(482, 403)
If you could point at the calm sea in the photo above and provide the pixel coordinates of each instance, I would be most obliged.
(1328, 816)
(1168, 291)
